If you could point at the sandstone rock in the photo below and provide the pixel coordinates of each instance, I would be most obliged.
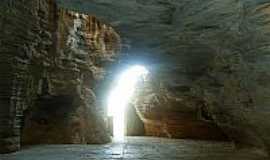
(212, 57)
(51, 62)
(213, 51)
(166, 115)
(134, 124)
(66, 111)
(21, 40)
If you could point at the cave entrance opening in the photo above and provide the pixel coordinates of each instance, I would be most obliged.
(121, 95)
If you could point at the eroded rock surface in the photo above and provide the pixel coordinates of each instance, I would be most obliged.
(214, 52)
(212, 57)
(168, 115)
(67, 110)
(134, 124)
(52, 61)
(25, 45)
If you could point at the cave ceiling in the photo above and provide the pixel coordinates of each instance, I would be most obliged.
(177, 37)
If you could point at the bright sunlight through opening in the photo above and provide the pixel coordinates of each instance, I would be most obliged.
(120, 96)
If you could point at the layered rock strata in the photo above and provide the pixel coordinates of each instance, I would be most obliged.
(51, 62)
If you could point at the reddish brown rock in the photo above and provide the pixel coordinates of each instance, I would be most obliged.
(180, 125)
(51, 62)
(170, 116)
(66, 109)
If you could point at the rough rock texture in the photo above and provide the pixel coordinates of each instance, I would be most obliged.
(166, 115)
(21, 42)
(134, 125)
(235, 84)
(215, 52)
(51, 62)
(67, 110)
(212, 57)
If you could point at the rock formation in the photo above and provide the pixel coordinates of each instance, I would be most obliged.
(167, 115)
(84, 46)
(52, 60)
(22, 41)
(209, 64)
(212, 53)
(133, 122)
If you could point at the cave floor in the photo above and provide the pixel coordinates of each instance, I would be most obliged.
(138, 148)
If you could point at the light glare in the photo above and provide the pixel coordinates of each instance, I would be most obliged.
(120, 96)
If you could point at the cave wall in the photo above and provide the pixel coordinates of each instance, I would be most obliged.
(52, 61)
(84, 45)
(230, 83)
(134, 125)
(235, 85)
(25, 39)
(165, 114)
(211, 52)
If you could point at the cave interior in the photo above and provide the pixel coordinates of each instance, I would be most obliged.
(118, 79)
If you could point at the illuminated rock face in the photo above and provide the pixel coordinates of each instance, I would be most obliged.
(212, 57)
(52, 60)
(67, 110)
(214, 52)
(134, 124)
(167, 115)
